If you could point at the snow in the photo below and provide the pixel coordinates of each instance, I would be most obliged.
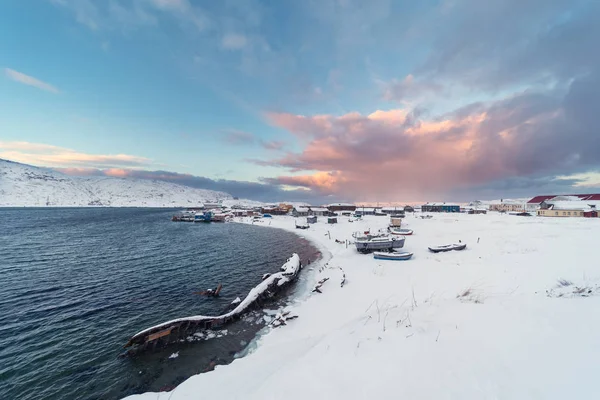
(24, 185)
(503, 319)
(174, 355)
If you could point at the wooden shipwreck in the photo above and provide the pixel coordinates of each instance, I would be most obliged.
(177, 329)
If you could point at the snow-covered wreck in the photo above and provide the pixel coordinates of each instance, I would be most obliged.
(171, 331)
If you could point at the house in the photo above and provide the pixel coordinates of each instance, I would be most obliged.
(365, 211)
(440, 207)
(300, 211)
(341, 207)
(563, 209)
(535, 203)
(286, 207)
(507, 206)
(319, 211)
(475, 210)
(273, 210)
(312, 219)
(569, 206)
(409, 209)
(393, 210)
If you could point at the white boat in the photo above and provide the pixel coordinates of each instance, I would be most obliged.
(401, 231)
(398, 256)
(448, 247)
(367, 244)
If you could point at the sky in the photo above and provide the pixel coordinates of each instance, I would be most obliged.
(318, 101)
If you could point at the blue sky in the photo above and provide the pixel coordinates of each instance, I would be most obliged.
(298, 99)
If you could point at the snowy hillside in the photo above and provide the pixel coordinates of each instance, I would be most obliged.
(29, 186)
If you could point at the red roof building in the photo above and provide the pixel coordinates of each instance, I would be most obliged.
(539, 199)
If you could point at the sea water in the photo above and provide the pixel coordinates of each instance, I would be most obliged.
(76, 284)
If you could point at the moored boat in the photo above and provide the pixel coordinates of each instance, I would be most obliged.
(203, 217)
(448, 247)
(401, 231)
(399, 256)
(367, 244)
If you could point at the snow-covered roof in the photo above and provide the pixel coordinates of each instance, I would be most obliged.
(563, 198)
(301, 209)
(340, 205)
(569, 205)
(365, 209)
(392, 209)
(319, 209)
(441, 204)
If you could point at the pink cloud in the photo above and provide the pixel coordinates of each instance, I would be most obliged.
(55, 156)
(388, 154)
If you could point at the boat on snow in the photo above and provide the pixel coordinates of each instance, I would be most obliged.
(448, 247)
(400, 231)
(398, 256)
(367, 244)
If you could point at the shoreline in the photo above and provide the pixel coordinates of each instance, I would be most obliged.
(471, 324)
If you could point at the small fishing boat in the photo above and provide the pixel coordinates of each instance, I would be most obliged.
(302, 226)
(399, 256)
(367, 244)
(426, 216)
(218, 218)
(400, 231)
(203, 217)
(448, 247)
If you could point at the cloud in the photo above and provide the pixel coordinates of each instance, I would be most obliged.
(55, 156)
(233, 41)
(272, 144)
(126, 15)
(396, 153)
(249, 190)
(241, 138)
(409, 88)
(550, 42)
(238, 138)
(29, 80)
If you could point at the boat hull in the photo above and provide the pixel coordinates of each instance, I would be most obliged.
(392, 256)
(451, 247)
(401, 232)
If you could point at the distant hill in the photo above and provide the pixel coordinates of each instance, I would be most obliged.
(24, 185)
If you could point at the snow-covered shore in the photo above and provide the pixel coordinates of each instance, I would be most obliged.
(490, 322)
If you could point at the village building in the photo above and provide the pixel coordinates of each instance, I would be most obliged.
(300, 211)
(393, 210)
(319, 211)
(409, 209)
(507, 206)
(286, 207)
(476, 210)
(365, 211)
(568, 206)
(341, 207)
(274, 210)
(440, 207)
(536, 202)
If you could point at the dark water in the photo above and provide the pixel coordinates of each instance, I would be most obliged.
(75, 284)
